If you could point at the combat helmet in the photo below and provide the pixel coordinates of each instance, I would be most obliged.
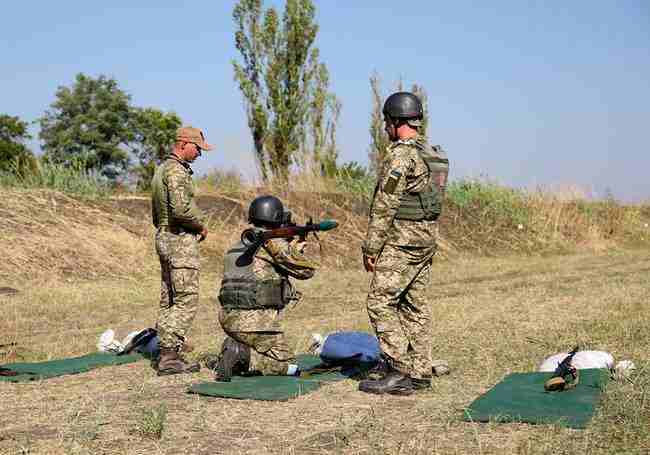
(266, 210)
(404, 106)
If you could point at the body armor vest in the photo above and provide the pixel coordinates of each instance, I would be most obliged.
(427, 203)
(241, 290)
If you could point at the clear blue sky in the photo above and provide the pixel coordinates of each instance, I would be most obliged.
(526, 93)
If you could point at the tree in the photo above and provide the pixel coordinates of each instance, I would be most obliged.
(89, 121)
(14, 154)
(154, 133)
(283, 84)
(378, 138)
(323, 115)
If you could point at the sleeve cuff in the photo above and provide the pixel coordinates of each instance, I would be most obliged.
(368, 250)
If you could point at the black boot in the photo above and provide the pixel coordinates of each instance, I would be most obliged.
(234, 360)
(394, 383)
(379, 370)
(421, 384)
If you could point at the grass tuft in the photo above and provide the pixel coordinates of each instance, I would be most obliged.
(71, 179)
(151, 422)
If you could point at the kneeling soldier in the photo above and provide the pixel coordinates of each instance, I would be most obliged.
(254, 290)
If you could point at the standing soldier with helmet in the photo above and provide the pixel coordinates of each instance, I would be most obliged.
(180, 226)
(255, 288)
(399, 247)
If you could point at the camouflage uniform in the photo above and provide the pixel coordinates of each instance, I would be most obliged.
(261, 328)
(404, 248)
(178, 222)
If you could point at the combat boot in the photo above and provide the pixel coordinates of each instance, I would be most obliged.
(421, 384)
(234, 360)
(171, 363)
(394, 383)
(379, 370)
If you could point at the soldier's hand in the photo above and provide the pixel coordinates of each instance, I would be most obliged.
(203, 234)
(300, 246)
(369, 263)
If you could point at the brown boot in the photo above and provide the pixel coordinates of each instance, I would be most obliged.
(171, 363)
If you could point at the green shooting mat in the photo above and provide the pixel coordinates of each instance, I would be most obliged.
(521, 397)
(52, 368)
(271, 388)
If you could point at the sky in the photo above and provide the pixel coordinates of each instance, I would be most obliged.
(528, 94)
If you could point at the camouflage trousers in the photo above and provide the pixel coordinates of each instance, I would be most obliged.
(270, 355)
(399, 312)
(262, 331)
(179, 290)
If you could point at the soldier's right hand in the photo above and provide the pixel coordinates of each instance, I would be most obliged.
(203, 234)
(369, 263)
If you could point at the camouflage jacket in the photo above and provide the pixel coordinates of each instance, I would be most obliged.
(403, 171)
(172, 197)
(278, 256)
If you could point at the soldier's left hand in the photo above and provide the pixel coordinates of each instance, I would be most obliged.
(300, 246)
(369, 263)
(203, 234)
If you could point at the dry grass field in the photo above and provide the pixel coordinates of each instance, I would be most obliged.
(493, 316)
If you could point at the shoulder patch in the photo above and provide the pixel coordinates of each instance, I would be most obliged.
(393, 180)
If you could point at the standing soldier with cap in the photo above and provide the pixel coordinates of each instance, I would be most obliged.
(399, 247)
(180, 227)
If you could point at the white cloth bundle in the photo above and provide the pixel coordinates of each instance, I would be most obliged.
(586, 359)
(108, 343)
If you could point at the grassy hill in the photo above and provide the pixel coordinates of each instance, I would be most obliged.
(49, 233)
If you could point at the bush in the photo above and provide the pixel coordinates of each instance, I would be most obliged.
(355, 179)
(72, 178)
(223, 181)
(490, 201)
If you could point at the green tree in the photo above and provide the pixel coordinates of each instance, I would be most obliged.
(89, 121)
(14, 154)
(154, 133)
(378, 138)
(283, 84)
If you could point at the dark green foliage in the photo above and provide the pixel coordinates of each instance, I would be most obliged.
(154, 133)
(94, 123)
(15, 157)
(89, 119)
(284, 85)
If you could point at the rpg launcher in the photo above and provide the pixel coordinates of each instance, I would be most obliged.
(565, 376)
(254, 239)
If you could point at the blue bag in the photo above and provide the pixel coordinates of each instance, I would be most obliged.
(350, 348)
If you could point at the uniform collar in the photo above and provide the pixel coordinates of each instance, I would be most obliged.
(418, 139)
(183, 163)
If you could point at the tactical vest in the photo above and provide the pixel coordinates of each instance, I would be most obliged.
(427, 203)
(241, 290)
